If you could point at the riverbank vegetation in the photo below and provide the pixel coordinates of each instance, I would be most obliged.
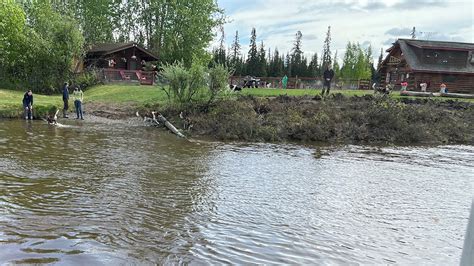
(280, 115)
(42, 42)
(338, 118)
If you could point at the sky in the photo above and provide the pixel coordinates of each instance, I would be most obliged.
(375, 22)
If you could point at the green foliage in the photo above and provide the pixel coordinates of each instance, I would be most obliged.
(183, 83)
(12, 27)
(45, 46)
(252, 59)
(218, 82)
(357, 63)
(87, 79)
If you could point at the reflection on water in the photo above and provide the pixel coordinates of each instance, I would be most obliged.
(106, 193)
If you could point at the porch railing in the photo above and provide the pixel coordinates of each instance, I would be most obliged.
(122, 75)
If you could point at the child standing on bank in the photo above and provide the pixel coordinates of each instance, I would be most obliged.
(78, 97)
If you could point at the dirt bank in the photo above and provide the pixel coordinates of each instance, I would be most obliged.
(337, 118)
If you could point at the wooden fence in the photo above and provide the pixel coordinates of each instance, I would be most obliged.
(304, 83)
(121, 75)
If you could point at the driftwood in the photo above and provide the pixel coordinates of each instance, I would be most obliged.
(436, 94)
(458, 95)
(416, 93)
(157, 119)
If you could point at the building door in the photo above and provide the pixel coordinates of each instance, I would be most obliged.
(132, 64)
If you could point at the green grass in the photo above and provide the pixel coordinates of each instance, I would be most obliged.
(300, 92)
(311, 92)
(130, 94)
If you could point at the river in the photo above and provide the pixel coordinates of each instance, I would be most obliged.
(105, 192)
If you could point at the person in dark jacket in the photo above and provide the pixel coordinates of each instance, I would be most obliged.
(28, 104)
(328, 76)
(65, 99)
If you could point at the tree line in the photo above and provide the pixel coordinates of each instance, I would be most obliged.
(357, 62)
(40, 39)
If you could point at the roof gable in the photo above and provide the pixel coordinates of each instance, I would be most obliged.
(441, 45)
(414, 50)
(109, 48)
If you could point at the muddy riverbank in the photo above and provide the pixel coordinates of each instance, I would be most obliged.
(335, 119)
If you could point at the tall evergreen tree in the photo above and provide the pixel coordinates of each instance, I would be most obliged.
(262, 62)
(327, 61)
(252, 59)
(296, 56)
(379, 63)
(288, 67)
(335, 65)
(235, 48)
(235, 56)
(314, 70)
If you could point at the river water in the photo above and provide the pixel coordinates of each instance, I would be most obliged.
(105, 192)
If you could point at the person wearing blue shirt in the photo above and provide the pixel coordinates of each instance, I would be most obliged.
(65, 99)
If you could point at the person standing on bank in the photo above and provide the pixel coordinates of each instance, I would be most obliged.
(78, 97)
(328, 76)
(28, 104)
(65, 100)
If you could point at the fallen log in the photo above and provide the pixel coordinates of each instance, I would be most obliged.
(416, 93)
(158, 119)
(167, 124)
(436, 94)
(458, 95)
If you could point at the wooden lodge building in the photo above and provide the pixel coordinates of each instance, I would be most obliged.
(434, 62)
(121, 62)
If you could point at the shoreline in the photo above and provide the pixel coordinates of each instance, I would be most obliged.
(337, 119)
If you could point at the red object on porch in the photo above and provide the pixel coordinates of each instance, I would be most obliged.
(121, 75)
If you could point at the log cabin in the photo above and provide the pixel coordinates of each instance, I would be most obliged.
(121, 61)
(433, 62)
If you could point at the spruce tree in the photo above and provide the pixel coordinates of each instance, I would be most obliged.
(314, 70)
(335, 65)
(380, 58)
(253, 60)
(327, 61)
(296, 56)
(262, 62)
(235, 56)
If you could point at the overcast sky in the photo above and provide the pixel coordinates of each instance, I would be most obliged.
(367, 21)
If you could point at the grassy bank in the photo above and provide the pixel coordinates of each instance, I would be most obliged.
(277, 114)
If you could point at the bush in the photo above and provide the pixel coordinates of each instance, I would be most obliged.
(87, 79)
(183, 83)
(218, 82)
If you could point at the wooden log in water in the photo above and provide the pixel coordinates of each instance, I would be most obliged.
(158, 119)
(167, 124)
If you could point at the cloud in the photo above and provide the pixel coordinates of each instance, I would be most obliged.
(398, 31)
(389, 42)
(310, 37)
(422, 4)
(365, 21)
